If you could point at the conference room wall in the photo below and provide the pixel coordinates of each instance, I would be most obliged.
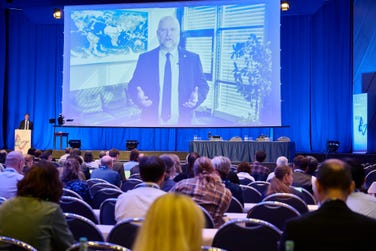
(315, 71)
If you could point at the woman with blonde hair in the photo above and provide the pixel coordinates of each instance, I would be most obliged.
(173, 222)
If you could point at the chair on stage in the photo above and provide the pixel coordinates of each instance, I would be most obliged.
(290, 199)
(107, 212)
(104, 194)
(209, 222)
(8, 243)
(97, 245)
(235, 206)
(74, 205)
(261, 186)
(130, 183)
(71, 193)
(91, 182)
(83, 227)
(274, 212)
(125, 232)
(96, 187)
(247, 234)
(251, 194)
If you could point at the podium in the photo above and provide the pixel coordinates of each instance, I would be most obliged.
(22, 140)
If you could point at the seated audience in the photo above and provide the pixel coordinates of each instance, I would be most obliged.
(71, 179)
(9, 178)
(206, 189)
(333, 226)
(174, 222)
(358, 201)
(188, 172)
(281, 161)
(282, 181)
(34, 216)
(3, 155)
(301, 178)
(29, 161)
(100, 155)
(259, 171)
(136, 202)
(244, 171)
(313, 163)
(178, 168)
(105, 172)
(117, 165)
(223, 166)
(134, 157)
(89, 160)
(170, 172)
(66, 154)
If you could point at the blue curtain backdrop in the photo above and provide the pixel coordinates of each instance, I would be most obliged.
(316, 86)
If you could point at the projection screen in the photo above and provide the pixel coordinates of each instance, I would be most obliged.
(223, 69)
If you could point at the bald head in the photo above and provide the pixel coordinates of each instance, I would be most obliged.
(106, 161)
(168, 33)
(15, 160)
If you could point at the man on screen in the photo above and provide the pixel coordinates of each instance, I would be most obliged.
(26, 124)
(168, 82)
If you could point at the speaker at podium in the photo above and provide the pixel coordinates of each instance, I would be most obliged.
(22, 140)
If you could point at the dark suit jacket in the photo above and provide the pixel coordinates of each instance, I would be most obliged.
(146, 75)
(22, 125)
(332, 227)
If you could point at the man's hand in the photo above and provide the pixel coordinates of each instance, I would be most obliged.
(192, 102)
(143, 100)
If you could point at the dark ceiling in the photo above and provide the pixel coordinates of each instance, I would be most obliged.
(40, 11)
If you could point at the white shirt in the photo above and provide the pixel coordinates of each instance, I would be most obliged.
(136, 202)
(8, 182)
(362, 203)
(174, 59)
(245, 175)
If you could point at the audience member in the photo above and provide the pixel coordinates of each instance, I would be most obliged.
(170, 172)
(188, 172)
(333, 226)
(259, 171)
(281, 161)
(223, 166)
(358, 201)
(134, 157)
(29, 161)
(34, 216)
(71, 179)
(313, 163)
(282, 181)
(47, 155)
(89, 160)
(136, 202)
(105, 172)
(9, 178)
(116, 164)
(206, 189)
(174, 222)
(3, 155)
(301, 178)
(66, 154)
(244, 171)
(100, 155)
(178, 168)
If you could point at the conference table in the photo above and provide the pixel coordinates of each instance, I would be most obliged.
(238, 151)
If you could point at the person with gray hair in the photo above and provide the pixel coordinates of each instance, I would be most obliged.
(106, 172)
(12, 173)
(281, 161)
(223, 166)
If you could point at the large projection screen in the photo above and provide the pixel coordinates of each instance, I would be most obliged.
(223, 69)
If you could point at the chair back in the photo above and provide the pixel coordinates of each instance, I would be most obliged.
(74, 205)
(245, 181)
(209, 222)
(2, 200)
(97, 245)
(261, 186)
(8, 243)
(209, 248)
(107, 212)
(83, 227)
(125, 232)
(235, 206)
(274, 212)
(251, 194)
(305, 195)
(370, 177)
(105, 194)
(238, 234)
(99, 186)
(93, 181)
(71, 193)
(290, 199)
(130, 183)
